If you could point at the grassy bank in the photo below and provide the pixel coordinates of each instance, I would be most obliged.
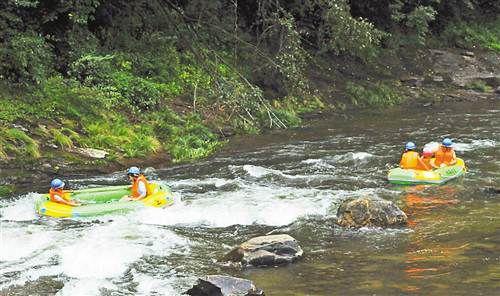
(147, 77)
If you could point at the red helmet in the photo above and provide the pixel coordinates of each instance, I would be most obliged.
(427, 152)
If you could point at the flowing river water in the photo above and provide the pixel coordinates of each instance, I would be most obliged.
(284, 182)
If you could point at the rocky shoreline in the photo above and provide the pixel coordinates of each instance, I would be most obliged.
(445, 77)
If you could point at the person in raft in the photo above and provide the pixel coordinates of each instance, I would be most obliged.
(410, 158)
(140, 186)
(425, 161)
(57, 194)
(445, 155)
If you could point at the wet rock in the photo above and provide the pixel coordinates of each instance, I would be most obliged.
(413, 81)
(20, 127)
(149, 170)
(267, 250)
(91, 152)
(468, 53)
(371, 212)
(437, 78)
(220, 285)
(227, 132)
(47, 166)
(492, 190)
(44, 285)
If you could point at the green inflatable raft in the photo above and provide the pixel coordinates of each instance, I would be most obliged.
(437, 176)
(103, 200)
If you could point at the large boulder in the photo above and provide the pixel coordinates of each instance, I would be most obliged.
(220, 285)
(269, 250)
(370, 212)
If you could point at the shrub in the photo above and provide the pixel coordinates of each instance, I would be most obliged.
(471, 36)
(91, 69)
(26, 58)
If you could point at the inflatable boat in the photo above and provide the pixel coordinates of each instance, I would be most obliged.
(437, 176)
(103, 200)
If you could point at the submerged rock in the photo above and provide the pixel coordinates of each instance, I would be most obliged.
(367, 211)
(220, 285)
(267, 250)
(44, 285)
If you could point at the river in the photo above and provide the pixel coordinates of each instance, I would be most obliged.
(284, 182)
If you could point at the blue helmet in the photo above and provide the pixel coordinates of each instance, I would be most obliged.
(410, 146)
(56, 184)
(447, 142)
(133, 171)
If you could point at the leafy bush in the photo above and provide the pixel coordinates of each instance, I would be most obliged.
(141, 93)
(348, 35)
(92, 69)
(471, 36)
(26, 58)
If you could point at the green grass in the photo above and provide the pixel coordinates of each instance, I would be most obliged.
(6, 190)
(14, 141)
(478, 85)
(375, 95)
(474, 35)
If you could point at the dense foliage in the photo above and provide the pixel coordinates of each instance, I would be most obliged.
(137, 77)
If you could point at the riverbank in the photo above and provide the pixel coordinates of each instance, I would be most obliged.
(431, 79)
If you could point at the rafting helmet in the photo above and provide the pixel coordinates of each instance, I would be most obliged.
(410, 146)
(133, 171)
(427, 152)
(447, 142)
(56, 184)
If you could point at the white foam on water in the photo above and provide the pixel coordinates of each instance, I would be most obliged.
(160, 285)
(103, 251)
(258, 171)
(25, 242)
(217, 182)
(312, 161)
(361, 155)
(356, 157)
(474, 145)
(77, 287)
(20, 209)
(257, 205)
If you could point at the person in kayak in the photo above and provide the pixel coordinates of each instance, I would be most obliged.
(57, 194)
(140, 186)
(445, 155)
(424, 161)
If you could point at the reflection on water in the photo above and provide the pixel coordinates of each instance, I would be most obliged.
(284, 182)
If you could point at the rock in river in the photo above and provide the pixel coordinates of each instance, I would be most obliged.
(367, 211)
(220, 285)
(267, 250)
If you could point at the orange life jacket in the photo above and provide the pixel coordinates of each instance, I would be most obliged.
(409, 160)
(62, 193)
(424, 164)
(445, 156)
(135, 186)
